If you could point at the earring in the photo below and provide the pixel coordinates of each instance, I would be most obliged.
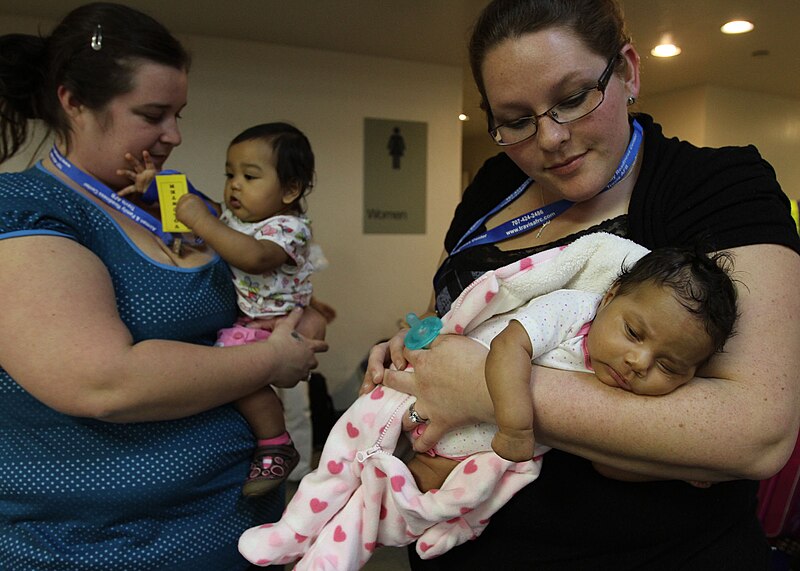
(631, 100)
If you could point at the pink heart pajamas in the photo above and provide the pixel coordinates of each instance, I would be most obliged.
(362, 496)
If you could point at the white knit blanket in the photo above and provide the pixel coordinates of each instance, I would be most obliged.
(590, 263)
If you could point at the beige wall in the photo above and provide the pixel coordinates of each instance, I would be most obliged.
(681, 113)
(714, 116)
(372, 280)
(770, 123)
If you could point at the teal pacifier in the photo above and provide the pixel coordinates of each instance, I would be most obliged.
(422, 331)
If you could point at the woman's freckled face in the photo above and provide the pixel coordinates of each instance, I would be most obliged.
(527, 75)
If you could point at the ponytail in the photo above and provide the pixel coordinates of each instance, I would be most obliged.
(22, 79)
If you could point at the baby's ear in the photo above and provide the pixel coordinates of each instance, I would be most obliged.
(608, 296)
(292, 192)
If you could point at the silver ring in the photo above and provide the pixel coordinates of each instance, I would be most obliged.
(414, 416)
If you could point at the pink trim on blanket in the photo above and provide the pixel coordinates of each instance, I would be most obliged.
(587, 359)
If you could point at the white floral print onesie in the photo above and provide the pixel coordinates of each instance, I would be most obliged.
(279, 291)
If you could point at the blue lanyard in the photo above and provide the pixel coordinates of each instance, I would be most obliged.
(540, 216)
(108, 196)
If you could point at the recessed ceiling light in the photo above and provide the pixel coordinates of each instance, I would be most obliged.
(463, 117)
(665, 50)
(737, 27)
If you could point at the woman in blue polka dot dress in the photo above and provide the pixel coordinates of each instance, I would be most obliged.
(118, 446)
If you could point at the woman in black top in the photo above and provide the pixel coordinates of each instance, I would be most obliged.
(557, 78)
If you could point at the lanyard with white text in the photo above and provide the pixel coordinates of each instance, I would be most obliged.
(108, 196)
(536, 218)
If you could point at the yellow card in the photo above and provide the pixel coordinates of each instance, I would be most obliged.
(170, 188)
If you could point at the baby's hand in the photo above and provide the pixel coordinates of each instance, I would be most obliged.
(141, 173)
(191, 210)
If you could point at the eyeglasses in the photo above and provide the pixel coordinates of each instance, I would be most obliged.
(569, 109)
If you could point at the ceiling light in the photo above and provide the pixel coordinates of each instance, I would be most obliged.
(665, 50)
(737, 27)
(463, 117)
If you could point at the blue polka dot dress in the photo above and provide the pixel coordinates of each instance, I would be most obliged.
(80, 494)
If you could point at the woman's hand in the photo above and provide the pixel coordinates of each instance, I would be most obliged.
(141, 174)
(294, 354)
(448, 381)
(381, 356)
(391, 352)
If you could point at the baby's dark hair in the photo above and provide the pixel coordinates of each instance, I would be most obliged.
(700, 282)
(294, 159)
